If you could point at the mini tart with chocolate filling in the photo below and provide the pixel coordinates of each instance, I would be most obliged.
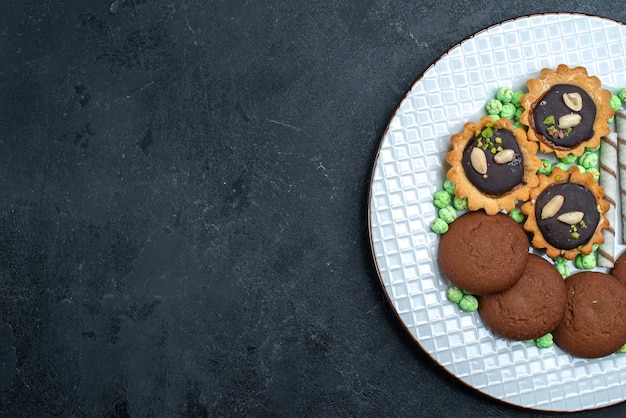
(493, 165)
(566, 110)
(565, 213)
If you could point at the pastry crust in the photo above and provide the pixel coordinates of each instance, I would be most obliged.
(477, 199)
(576, 76)
(573, 175)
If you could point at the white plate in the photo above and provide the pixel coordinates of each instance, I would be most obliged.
(410, 168)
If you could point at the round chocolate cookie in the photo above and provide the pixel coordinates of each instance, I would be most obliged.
(593, 325)
(619, 268)
(483, 254)
(530, 308)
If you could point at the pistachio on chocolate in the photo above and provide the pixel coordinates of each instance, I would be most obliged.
(552, 207)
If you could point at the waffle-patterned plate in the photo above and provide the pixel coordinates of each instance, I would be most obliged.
(410, 168)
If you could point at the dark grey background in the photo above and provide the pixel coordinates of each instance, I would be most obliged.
(183, 206)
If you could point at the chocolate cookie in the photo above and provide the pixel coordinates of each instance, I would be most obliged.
(593, 325)
(483, 254)
(530, 308)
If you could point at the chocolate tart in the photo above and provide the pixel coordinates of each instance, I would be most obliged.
(566, 110)
(565, 213)
(492, 165)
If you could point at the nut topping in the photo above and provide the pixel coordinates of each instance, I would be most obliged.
(479, 160)
(569, 121)
(552, 207)
(504, 156)
(573, 100)
(571, 218)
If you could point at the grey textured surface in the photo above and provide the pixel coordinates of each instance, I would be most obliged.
(183, 206)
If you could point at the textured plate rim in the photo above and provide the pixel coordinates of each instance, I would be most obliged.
(388, 297)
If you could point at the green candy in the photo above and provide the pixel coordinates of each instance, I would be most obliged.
(622, 94)
(546, 167)
(517, 215)
(504, 94)
(508, 111)
(545, 341)
(581, 169)
(439, 226)
(459, 203)
(560, 165)
(569, 159)
(588, 159)
(615, 103)
(493, 107)
(560, 260)
(454, 294)
(442, 199)
(448, 214)
(449, 187)
(622, 350)
(585, 261)
(469, 303)
(563, 269)
(495, 117)
(517, 95)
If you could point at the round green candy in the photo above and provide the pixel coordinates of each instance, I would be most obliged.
(560, 259)
(610, 120)
(448, 214)
(581, 168)
(517, 215)
(439, 226)
(622, 350)
(588, 159)
(515, 99)
(560, 165)
(459, 203)
(504, 94)
(508, 111)
(469, 303)
(442, 199)
(546, 167)
(495, 117)
(563, 269)
(585, 261)
(545, 341)
(449, 187)
(568, 159)
(615, 103)
(493, 107)
(454, 294)
(622, 94)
